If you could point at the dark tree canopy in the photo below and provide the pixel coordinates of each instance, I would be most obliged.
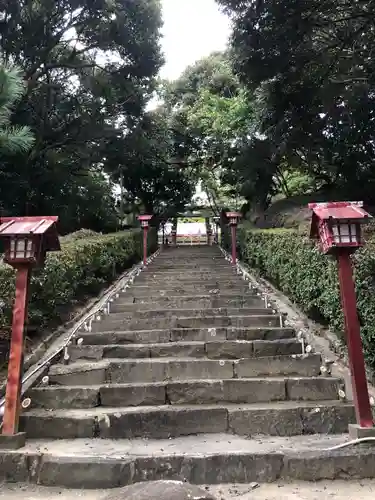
(89, 70)
(142, 157)
(311, 65)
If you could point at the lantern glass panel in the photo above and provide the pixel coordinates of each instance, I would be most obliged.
(20, 249)
(29, 250)
(23, 249)
(345, 232)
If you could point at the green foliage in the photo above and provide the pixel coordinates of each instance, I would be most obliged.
(79, 235)
(12, 88)
(86, 263)
(310, 279)
(210, 115)
(89, 70)
(310, 65)
(142, 157)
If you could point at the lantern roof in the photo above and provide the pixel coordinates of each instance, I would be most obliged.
(30, 226)
(144, 217)
(344, 211)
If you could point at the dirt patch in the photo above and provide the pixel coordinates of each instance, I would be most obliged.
(333, 490)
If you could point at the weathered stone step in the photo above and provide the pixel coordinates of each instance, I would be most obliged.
(208, 266)
(178, 264)
(157, 370)
(125, 303)
(203, 459)
(227, 271)
(189, 277)
(188, 313)
(225, 349)
(198, 288)
(251, 390)
(185, 335)
(240, 321)
(285, 418)
(211, 284)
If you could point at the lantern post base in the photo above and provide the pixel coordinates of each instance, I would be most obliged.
(12, 441)
(358, 432)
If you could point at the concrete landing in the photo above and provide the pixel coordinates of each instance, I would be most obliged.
(324, 490)
(202, 459)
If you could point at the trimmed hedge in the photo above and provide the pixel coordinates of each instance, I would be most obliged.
(84, 266)
(296, 267)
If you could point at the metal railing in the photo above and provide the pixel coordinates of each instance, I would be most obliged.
(101, 307)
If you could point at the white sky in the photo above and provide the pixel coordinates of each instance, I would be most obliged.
(192, 30)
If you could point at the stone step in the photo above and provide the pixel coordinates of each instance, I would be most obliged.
(226, 272)
(225, 349)
(242, 391)
(189, 277)
(207, 266)
(185, 335)
(210, 284)
(204, 459)
(125, 303)
(285, 418)
(163, 369)
(187, 313)
(239, 321)
(139, 291)
(178, 263)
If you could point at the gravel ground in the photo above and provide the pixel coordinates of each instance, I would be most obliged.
(337, 490)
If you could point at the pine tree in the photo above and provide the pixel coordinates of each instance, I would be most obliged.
(13, 139)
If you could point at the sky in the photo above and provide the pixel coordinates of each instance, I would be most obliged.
(192, 30)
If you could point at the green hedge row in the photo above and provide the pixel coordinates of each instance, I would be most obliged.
(296, 267)
(86, 263)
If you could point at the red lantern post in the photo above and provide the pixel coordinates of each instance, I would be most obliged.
(26, 241)
(145, 222)
(337, 226)
(233, 222)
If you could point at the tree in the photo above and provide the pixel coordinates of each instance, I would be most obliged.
(210, 114)
(142, 157)
(13, 139)
(90, 69)
(311, 66)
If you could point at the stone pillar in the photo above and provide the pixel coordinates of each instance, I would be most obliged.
(174, 237)
(174, 232)
(208, 235)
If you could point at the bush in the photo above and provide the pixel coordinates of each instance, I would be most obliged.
(80, 235)
(297, 268)
(80, 270)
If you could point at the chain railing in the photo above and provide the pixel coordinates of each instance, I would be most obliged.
(256, 289)
(103, 306)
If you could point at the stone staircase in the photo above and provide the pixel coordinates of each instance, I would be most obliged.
(190, 377)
